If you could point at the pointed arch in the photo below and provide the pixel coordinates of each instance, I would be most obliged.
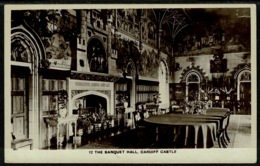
(27, 49)
(197, 70)
(96, 55)
(240, 68)
(163, 74)
(30, 41)
(243, 78)
(193, 77)
(132, 71)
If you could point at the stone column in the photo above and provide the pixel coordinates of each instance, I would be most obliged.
(83, 28)
(109, 23)
(82, 43)
(141, 34)
(159, 42)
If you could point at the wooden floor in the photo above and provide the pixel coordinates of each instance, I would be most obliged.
(239, 132)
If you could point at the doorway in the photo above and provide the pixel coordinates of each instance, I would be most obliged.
(19, 103)
(244, 92)
(192, 87)
(163, 85)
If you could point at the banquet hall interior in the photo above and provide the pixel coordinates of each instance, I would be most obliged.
(130, 78)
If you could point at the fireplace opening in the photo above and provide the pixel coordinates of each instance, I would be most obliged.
(94, 103)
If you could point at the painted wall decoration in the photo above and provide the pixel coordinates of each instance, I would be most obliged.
(218, 64)
(58, 51)
(127, 20)
(97, 58)
(83, 76)
(219, 27)
(21, 50)
(127, 49)
(57, 30)
(149, 64)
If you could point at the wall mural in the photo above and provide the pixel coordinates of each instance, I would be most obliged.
(147, 63)
(97, 58)
(22, 49)
(150, 63)
(57, 30)
(219, 27)
(218, 64)
(127, 50)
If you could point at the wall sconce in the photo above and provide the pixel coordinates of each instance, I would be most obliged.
(216, 97)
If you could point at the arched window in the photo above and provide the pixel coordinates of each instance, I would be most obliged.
(192, 86)
(244, 85)
(21, 50)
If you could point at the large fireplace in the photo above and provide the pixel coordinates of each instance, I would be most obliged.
(92, 95)
(94, 103)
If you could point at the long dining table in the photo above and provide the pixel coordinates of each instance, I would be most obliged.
(189, 130)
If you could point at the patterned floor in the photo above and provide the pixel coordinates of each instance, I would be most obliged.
(239, 132)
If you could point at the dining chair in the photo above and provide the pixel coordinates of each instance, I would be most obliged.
(222, 132)
(138, 119)
(97, 131)
(142, 129)
(227, 124)
(16, 144)
(19, 143)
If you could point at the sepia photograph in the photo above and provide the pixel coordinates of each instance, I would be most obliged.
(130, 83)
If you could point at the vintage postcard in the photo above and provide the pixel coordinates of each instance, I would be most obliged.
(130, 83)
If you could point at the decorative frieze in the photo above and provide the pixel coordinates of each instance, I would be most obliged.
(83, 76)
